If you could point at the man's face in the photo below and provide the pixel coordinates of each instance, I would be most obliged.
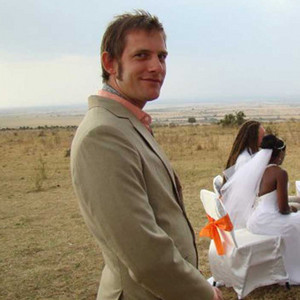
(140, 72)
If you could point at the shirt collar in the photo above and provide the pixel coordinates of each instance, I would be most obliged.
(109, 92)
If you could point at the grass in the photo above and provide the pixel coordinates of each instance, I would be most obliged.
(46, 251)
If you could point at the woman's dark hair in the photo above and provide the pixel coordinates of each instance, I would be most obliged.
(270, 141)
(247, 138)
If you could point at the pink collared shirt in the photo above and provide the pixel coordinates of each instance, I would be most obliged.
(141, 115)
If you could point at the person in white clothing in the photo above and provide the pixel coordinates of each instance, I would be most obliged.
(239, 192)
(274, 215)
(246, 143)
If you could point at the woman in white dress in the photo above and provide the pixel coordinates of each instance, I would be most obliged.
(273, 214)
(245, 144)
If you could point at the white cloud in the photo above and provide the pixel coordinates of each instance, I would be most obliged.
(62, 81)
(218, 48)
(194, 78)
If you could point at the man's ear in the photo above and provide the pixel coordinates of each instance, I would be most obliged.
(108, 63)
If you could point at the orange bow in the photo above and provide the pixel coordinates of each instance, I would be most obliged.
(211, 231)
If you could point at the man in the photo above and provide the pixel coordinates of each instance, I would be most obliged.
(129, 195)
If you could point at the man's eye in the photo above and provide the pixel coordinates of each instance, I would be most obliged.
(141, 55)
(162, 57)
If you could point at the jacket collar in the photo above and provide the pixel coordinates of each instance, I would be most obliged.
(120, 111)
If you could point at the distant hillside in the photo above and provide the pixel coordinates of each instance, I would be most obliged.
(161, 114)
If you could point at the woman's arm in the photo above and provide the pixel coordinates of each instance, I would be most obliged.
(282, 192)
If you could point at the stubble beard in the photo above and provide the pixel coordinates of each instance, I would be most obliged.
(120, 71)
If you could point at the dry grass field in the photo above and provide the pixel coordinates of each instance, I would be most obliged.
(46, 251)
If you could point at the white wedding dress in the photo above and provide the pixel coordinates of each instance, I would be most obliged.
(266, 219)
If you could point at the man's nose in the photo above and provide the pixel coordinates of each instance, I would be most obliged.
(155, 65)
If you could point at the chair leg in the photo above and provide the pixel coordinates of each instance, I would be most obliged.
(287, 285)
(214, 283)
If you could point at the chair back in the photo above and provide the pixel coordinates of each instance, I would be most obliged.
(297, 187)
(212, 205)
(217, 184)
(216, 210)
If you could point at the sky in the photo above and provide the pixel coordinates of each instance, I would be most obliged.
(219, 50)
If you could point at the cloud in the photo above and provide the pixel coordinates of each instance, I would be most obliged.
(221, 48)
(67, 80)
(230, 76)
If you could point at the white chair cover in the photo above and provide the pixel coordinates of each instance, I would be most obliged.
(297, 187)
(250, 260)
(217, 184)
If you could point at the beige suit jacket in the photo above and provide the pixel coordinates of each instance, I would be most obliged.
(130, 201)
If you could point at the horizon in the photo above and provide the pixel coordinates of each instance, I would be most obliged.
(157, 104)
(203, 112)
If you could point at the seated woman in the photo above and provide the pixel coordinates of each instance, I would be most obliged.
(273, 214)
(239, 192)
(245, 144)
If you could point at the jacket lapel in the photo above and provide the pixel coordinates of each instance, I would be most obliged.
(120, 111)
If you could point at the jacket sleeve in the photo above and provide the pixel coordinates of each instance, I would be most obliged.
(108, 179)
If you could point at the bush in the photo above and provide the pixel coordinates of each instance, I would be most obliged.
(192, 120)
(233, 119)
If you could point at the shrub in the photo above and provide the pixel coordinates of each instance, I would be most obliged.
(40, 174)
(192, 120)
(233, 119)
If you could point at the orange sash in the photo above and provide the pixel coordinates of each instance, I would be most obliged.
(211, 231)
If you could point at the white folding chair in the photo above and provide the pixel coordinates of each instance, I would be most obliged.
(297, 183)
(217, 184)
(249, 261)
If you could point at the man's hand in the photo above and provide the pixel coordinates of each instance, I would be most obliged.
(217, 294)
